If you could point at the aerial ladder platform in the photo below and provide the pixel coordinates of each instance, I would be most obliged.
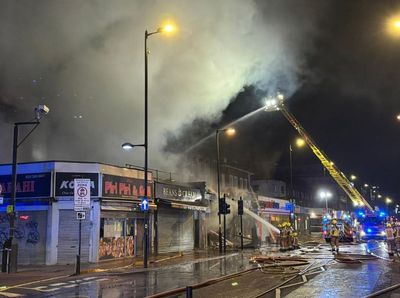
(277, 104)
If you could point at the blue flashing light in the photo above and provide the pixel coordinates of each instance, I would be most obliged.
(382, 214)
(369, 230)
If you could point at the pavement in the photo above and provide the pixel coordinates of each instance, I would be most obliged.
(28, 274)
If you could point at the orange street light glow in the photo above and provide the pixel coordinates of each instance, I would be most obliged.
(230, 131)
(393, 26)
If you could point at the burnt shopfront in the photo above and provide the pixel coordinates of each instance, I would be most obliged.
(180, 217)
(121, 219)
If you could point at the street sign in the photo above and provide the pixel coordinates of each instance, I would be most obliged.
(81, 194)
(144, 205)
(80, 215)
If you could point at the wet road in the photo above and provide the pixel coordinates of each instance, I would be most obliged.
(328, 278)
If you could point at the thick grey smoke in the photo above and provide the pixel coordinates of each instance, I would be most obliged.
(84, 59)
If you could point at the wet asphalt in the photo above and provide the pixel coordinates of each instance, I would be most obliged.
(326, 277)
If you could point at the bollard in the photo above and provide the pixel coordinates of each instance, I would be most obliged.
(78, 265)
(189, 292)
(13, 258)
(4, 260)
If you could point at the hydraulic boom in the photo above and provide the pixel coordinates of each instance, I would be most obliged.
(336, 174)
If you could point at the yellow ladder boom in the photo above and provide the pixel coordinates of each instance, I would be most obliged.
(336, 174)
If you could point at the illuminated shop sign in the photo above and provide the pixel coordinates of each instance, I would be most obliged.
(125, 187)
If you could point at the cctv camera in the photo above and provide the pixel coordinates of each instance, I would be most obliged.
(41, 110)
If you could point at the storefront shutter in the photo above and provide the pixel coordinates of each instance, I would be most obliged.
(68, 237)
(176, 230)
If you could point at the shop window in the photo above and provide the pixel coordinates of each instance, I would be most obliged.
(245, 184)
(116, 238)
(241, 183)
(235, 181)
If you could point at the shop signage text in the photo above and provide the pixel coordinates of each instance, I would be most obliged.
(178, 193)
(28, 185)
(65, 183)
(117, 186)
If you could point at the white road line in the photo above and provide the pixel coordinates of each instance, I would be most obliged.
(57, 284)
(89, 278)
(8, 294)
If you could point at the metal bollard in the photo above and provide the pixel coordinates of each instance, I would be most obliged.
(189, 292)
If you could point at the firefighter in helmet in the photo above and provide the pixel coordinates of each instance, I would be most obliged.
(390, 239)
(335, 235)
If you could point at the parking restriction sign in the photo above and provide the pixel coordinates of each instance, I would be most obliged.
(81, 194)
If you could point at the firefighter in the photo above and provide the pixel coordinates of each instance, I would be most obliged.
(390, 239)
(280, 227)
(334, 232)
(295, 240)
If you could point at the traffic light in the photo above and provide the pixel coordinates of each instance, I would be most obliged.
(221, 206)
(227, 208)
(240, 207)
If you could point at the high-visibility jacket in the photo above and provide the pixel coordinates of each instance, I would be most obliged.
(389, 234)
(335, 232)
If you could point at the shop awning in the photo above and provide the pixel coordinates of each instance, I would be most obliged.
(115, 205)
(184, 205)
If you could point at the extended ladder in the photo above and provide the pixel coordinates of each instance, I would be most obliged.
(336, 174)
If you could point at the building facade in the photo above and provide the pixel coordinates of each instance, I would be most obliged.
(47, 227)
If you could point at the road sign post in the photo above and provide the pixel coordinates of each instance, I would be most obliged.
(81, 203)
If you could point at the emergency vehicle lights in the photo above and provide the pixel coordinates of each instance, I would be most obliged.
(382, 214)
(369, 230)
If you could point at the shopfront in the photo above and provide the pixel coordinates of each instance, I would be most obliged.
(181, 217)
(121, 220)
(32, 204)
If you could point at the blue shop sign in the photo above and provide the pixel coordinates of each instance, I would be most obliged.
(37, 185)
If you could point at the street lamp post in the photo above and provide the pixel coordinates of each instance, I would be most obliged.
(388, 201)
(167, 28)
(10, 253)
(229, 131)
(299, 143)
(325, 195)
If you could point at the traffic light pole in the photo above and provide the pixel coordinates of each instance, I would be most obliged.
(225, 211)
(240, 211)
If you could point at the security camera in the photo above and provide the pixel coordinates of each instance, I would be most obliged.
(41, 110)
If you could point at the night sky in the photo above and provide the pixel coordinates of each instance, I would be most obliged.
(334, 60)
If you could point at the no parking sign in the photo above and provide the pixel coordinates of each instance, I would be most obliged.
(81, 194)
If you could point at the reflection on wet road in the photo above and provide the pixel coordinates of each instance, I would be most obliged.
(328, 277)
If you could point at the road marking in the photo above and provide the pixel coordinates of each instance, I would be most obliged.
(8, 294)
(57, 284)
(32, 282)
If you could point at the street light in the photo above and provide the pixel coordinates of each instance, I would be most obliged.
(323, 194)
(393, 26)
(11, 255)
(398, 117)
(388, 201)
(299, 143)
(229, 132)
(167, 28)
(353, 177)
